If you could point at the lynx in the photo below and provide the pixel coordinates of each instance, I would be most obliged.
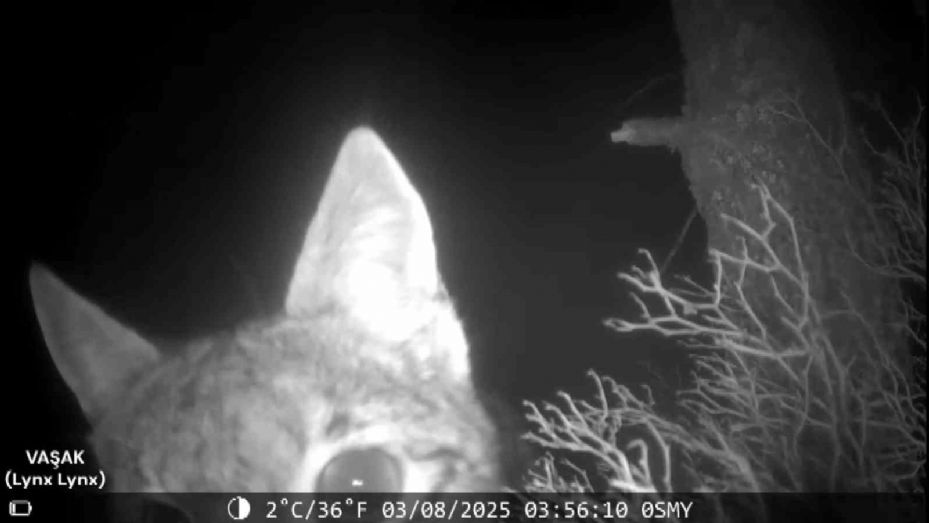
(361, 383)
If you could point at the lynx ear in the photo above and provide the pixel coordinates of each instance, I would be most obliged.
(94, 353)
(369, 248)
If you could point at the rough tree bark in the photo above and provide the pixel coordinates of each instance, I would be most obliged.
(764, 106)
(747, 63)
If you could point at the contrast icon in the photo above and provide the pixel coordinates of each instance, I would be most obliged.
(238, 508)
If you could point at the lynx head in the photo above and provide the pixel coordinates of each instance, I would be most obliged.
(362, 382)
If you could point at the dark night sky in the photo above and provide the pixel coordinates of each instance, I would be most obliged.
(172, 159)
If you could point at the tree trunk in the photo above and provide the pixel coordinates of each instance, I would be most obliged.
(764, 107)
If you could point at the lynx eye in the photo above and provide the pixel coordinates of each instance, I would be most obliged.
(361, 470)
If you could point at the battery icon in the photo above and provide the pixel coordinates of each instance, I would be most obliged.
(20, 507)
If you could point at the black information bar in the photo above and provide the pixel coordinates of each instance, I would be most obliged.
(28, 506)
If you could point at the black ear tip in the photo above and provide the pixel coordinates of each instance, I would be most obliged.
(364, 138)
(41, 275)
(38, 274)
(44, 285)
(363, 131)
